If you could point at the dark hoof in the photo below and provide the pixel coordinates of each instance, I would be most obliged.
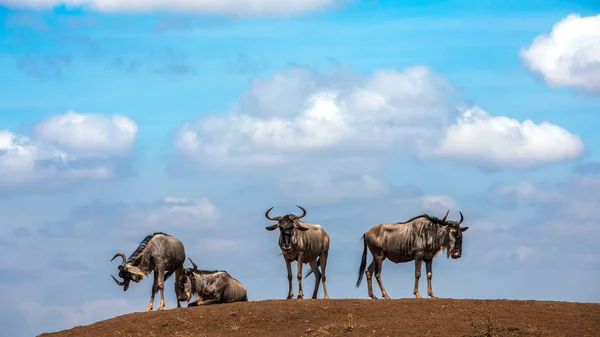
(290, 297)
(300, 297)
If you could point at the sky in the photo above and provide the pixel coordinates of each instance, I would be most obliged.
(193, 117)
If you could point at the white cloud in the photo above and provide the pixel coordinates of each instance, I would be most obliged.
(431, 204)
(437, 202)
(88, 134)
(298, 116)
(505, 142)
(180, 212)
(235, 7)
(519, 253)
(570, 54)
(365, 116)
(527, 190)
(65, 148)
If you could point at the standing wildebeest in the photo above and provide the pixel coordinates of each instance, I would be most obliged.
(420, 238)
(302, 242)
(158, 252)
(209, 286)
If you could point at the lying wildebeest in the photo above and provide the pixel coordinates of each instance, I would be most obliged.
(302, 242)
(158, 252)
(420, 238)
(209, 286)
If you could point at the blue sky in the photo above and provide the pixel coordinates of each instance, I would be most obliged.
(193, 120)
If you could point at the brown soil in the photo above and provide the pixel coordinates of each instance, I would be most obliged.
(402, 317)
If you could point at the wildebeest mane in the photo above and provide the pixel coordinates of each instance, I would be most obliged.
(142, 245)
(424, 215)
(206, 272)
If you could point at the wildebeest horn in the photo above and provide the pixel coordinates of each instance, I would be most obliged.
(122, 256)
(193, 264)
(275, 218)
(461, 217)
(445, 216)
(117, 281)
(303, 213)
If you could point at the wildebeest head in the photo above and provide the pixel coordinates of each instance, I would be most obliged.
(454, 234)
(127, 272)
(184, 284)
(286, 224)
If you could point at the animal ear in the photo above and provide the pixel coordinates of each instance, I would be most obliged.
(464, 229)
(300, 227)
(273, 227)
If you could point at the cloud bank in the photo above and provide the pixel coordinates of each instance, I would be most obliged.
(300, 120)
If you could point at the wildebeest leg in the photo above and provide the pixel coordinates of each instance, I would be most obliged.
(378, 265)
(299, 276)
(161, 287)
(428, 267)
(207, 302)
(288, 264)
(177, 276)
(154, 289)
(418, 262)
(315, 270)
(323, 259)
(369, 272)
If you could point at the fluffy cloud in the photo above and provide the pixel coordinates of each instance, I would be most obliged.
(570, 55)
(234, 7)
(65, 148)
(351, 124)
(505, 142)
(88, 135)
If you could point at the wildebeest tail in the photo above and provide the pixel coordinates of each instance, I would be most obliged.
(310, 270)
(363, 262)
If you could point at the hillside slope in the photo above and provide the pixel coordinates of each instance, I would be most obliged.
(401, 317)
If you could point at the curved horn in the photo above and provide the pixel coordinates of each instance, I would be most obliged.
(122, 256)
(193, 264)
(275, 218)
(461, 218)
(117, 281)
(303, 213)
(445, 216)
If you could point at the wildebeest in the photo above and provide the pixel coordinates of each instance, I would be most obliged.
(209, 286)
(302, 242)
(420, 238)
(160, 253)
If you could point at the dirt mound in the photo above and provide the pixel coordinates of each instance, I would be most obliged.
(402, 317)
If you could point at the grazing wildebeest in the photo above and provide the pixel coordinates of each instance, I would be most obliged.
(420, 238)
(302, 242)
(209, 286)
(158, 253)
